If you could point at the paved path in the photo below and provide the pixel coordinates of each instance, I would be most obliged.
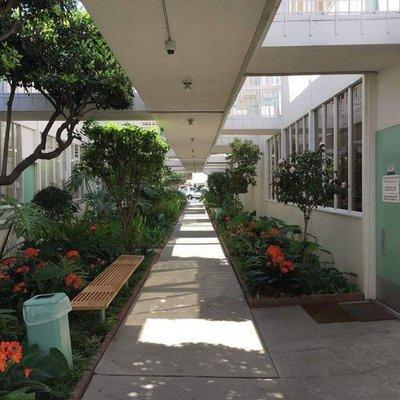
(191, 336)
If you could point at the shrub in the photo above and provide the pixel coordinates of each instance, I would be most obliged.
(56, 202)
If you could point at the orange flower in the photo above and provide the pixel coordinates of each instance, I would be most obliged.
(20, 287)
(22, 269)
(27, 372)
(7, 262)
(286, 266)
(73, 280)
(4, 276)
(31, 252)
(72, 254)
(252, 225)
(14, 352)
(9, 351)
(3, 361)
(94, 227)
(275, 254)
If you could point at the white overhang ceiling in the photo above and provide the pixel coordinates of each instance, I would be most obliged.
(215, 40)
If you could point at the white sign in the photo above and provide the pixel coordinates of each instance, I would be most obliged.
(390, 188)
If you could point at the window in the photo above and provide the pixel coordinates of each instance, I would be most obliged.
(270, 103)
(318, 120)
(331, 126)
(357, 147)
(14, 157)
(342, 147)
(306, 132)
(300, 136)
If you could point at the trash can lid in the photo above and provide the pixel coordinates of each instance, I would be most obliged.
(44, 308)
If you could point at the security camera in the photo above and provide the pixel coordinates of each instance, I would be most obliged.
(170, 46)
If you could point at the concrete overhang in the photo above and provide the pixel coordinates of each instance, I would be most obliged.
(319, 60)
(215, 42)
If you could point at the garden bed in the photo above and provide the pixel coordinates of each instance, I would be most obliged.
(269, 301)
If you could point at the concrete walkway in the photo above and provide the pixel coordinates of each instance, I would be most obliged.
(190, 335)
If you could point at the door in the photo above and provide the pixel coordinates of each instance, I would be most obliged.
(388, 216)
(29, 182)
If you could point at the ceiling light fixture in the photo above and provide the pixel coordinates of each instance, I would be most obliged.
(187, 85)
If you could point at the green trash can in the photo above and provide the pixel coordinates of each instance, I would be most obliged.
(46, 318)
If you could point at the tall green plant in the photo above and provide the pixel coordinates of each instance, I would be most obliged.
(308, 181)
(124, 157)
(242, 165)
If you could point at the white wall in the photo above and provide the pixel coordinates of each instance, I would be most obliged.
(316, 90)
(388, 96)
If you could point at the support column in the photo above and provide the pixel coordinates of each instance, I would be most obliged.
(369, 114)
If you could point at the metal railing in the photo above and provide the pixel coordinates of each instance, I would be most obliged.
(337, 7)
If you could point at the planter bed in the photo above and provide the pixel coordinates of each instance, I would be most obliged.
(265, 301)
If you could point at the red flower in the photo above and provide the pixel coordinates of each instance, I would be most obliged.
(286, 266)
(72, 254)
(7, 262)
(275, 254)
(94, 227)
(22, 269)
(27, 372)
(20, 287)
(73, 280)
(31, 252)
(9, 351)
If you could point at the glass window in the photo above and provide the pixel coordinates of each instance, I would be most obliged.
(287, 141)
(329, 135)
(300, 138)
(342, 150)
(293, 139)
(318, 115)
(357, 148)
(306, 133)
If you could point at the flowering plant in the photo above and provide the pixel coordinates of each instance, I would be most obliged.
(25, 370)
(308, 181)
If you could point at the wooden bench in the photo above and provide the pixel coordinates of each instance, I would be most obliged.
(99, 293)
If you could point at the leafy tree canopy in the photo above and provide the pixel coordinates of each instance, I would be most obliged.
(242, 165)
(63, 56)
(124, 157)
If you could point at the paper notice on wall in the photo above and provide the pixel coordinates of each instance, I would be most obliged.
(390, 188)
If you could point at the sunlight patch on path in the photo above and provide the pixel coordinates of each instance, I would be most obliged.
(178, 332)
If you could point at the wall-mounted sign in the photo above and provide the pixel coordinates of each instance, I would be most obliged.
(390, 188)
(391, 169)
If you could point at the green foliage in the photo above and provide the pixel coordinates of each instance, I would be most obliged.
(170, 178)
(218, 189)
(298, 270)
(26, 220)
(242, 165)
(64, 57)
(307, 180)
(56, 202)
(124, 157)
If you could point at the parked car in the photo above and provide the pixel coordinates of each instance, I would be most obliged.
(190, 192)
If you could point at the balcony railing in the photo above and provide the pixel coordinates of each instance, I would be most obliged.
(340, 7)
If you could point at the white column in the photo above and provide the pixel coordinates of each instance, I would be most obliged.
(350, 148)
(335, 141)
(369, 111)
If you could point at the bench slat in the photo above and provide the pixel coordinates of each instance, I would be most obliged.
(101, 291)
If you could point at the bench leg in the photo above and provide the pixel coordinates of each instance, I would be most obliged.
(102, 315)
